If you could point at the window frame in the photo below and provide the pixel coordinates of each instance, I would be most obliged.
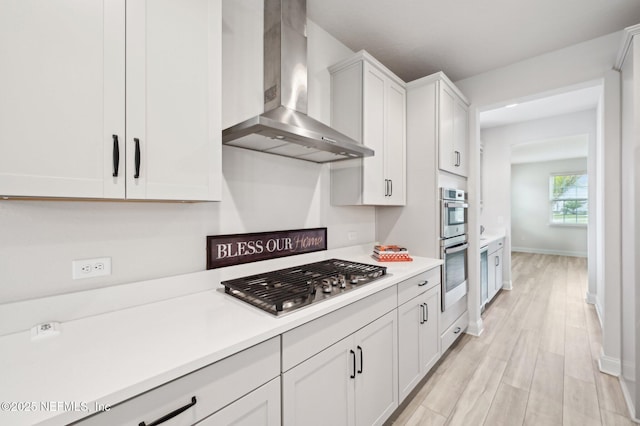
(553, 200)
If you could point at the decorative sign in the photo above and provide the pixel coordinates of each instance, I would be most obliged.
(227, 250)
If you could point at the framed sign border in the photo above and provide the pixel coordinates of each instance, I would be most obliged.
(247, 259)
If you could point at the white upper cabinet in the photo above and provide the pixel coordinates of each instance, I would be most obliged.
(62, 85)
(71, 79)
(368, 104)
(452, 129)
(173, 99)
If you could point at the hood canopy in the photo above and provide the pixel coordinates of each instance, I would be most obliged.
(285, 128)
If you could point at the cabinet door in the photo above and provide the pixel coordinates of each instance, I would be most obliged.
(498, 266)
(452, 135)
(62, 97)
(173, 99)
(491, 275)
(374, 186)
(409, 331)
(259, 408)
(430, 337)
(460, 138)
(320, 391)
(377, 370)
(395, 143)
(447, 156)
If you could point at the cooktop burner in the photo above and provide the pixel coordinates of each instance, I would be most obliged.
(287, 289)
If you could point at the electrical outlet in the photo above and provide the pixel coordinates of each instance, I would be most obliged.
(89, 268)
(352, 235)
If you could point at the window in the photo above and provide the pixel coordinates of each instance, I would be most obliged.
(569, 202)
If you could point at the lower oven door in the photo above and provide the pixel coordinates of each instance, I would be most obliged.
(454, 274)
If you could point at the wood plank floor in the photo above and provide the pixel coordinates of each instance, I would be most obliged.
(534, 364)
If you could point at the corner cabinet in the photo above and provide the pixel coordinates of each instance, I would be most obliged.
(453, 123)
(111, 99)
(368, 104)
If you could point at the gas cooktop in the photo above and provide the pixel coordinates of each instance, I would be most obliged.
(285, 290)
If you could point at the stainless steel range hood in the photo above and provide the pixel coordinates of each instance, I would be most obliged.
(285, 128)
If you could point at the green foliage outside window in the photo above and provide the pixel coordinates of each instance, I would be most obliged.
(569, 199)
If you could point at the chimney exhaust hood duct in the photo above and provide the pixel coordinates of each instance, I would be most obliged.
(285, 128)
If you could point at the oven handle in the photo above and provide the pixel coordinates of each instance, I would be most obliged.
(456, 249)
(456, 204)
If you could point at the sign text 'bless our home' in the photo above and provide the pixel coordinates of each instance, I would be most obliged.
(226, 250)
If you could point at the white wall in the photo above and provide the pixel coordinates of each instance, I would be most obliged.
(630, 152)
(573, 67)
(497, 144)
(530, 229)
(261, 192)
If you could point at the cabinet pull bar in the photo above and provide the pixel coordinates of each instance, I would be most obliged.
(422, 313)
(353, 357)
(116, 155)
(457, 330)
(137, 158)
(361, 367)
(423, 283)
(171, 414)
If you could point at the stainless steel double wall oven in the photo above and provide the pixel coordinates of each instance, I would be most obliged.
(453, 245)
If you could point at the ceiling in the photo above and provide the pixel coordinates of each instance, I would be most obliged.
(575, 146)
(549, 106)
(463, 38)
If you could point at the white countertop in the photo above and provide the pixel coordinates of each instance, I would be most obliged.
(112, 356)
(488, 238)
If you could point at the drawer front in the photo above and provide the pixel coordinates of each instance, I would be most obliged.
(412, 287)
(496, 245)
(213, 387)
(452, 333)
(303, 342)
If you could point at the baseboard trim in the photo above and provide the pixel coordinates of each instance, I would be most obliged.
(590, 298)
(627, 399)
(609, 365)
(554, 252)
(475, 328)
(507, 285)
(599, 313)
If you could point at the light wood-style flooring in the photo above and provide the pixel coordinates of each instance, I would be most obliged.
(534, 364)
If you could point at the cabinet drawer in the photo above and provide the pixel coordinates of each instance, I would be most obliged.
(495, 246)
(307, 340)
(453, 332)
(214, 387)
(408, 289)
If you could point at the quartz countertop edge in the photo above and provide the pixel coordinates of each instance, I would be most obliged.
(110, 357)
(488, 238)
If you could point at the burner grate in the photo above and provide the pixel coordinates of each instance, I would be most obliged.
(290, 288)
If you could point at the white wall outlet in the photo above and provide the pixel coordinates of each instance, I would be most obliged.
(47, 329)
(352, 235)
(89, 268)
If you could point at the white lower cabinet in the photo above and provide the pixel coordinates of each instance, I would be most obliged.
(259, 408)
(226, 388)
(352, 382)
(494, 267)
(418, 339)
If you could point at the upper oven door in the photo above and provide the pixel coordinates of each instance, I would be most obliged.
(453, 218)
